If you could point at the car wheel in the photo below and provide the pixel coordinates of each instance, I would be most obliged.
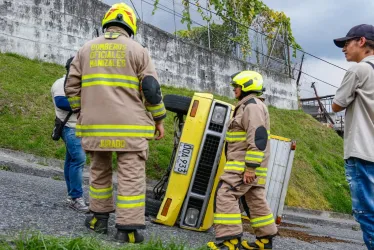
(152, 207)
(177, 103)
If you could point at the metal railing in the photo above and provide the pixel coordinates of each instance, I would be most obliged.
(273, 54)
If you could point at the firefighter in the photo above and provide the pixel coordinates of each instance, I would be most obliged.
(248, 150)
(113, 87)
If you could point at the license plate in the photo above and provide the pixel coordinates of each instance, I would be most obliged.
(183, 158)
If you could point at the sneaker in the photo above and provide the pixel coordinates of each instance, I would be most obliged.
(79, 205)
(69, 200)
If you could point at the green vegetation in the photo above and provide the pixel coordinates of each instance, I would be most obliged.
(240, 15)
(4, 168)
(35, 241)
(27, 117)
(318, 178)
(57, 178)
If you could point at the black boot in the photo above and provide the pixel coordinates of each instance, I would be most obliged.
(129, 236)
(98, 222)
(261, 243)
(233, 244)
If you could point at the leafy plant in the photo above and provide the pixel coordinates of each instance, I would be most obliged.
(243, 14)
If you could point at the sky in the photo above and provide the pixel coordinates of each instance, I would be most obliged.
(315, 23)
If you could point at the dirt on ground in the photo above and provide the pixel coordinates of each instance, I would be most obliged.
(283, 232)
(293, 233)
(284, 224)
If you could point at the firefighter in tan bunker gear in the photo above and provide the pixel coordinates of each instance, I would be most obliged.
(248, 150)
(113, 87)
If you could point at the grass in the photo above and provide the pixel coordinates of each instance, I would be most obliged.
(57, 178)
(33, 241)
(4, 168)
(27, 117)
(317, 178)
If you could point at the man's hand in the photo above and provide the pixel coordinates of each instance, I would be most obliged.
(160, 130)
(249, 176)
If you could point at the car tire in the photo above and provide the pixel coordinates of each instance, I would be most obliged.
(152, 207)
(177, 103)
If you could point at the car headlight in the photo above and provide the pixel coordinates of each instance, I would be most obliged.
(192, 216)
(219, 114)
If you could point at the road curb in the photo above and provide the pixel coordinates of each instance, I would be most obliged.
(322, 222)
(19, 156)
(20, 162)
(27, 165)
(324, 214)
(321, 218)
(49, 172)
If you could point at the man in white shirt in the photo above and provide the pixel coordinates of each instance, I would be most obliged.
(356, 96)
(75, 155)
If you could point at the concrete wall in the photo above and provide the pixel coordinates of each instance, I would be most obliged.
(50, 30)
(53, 30)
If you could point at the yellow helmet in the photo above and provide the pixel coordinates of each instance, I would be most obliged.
(120, 14)
(250, 81)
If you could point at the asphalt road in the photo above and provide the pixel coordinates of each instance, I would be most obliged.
(36, 203)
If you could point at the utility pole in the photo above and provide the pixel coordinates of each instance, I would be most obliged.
(273, 44)
(299, 75)
(141, 9)
(288, 54)
(325, 113)
(300, 70)
(208, 21)
(135, 8)
(175, 22)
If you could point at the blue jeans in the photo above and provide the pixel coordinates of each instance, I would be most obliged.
(360, 177)
(74, 163)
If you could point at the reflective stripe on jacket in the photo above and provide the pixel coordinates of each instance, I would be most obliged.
(247, 138)
(104, 83)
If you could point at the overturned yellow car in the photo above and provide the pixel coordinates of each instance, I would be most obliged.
(185, 195)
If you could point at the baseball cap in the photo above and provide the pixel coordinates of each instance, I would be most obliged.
(362, 30)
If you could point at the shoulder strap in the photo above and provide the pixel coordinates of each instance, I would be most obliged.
(372, 65)
(67, 118)
(70, 112)
(66, 78)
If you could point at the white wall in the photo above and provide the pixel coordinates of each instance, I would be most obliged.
(53, 30)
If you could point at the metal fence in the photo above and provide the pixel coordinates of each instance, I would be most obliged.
(267, 53)
(272, 54)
